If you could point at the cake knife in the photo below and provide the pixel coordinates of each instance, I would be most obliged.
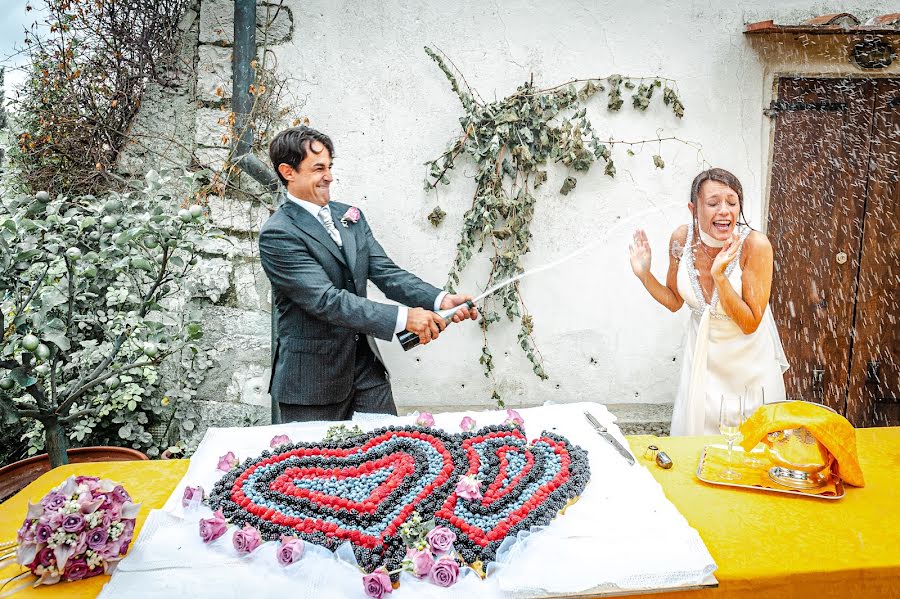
(601, 430)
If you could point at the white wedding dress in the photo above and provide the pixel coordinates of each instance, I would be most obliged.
(719, 359)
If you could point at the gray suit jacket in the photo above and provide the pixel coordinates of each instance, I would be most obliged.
(320, 300)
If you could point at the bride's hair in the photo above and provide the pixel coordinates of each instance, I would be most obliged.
(720, 175)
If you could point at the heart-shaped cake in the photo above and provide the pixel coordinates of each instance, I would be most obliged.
(364, 488)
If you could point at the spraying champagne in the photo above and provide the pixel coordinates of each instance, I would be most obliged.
(409, 339)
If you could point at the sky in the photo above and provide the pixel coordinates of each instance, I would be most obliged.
(13, 22)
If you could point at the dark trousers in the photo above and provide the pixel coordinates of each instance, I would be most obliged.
(371, 392)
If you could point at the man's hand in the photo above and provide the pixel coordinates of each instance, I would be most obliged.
(452, 300)
(424, 323)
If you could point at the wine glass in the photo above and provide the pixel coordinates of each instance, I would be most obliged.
(754, 398)
(730, 417)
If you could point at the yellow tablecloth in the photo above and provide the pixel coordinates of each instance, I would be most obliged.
(774, 545)
(766, 544)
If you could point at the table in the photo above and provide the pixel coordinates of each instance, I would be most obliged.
(765, 544)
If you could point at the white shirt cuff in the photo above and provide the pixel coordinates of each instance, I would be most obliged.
(402, 313)
(440, 298)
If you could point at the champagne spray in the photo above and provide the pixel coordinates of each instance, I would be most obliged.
(409, 339)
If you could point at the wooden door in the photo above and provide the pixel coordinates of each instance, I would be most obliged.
(874, 392)
(835, 148)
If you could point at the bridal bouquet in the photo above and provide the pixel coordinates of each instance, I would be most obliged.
(80, 529)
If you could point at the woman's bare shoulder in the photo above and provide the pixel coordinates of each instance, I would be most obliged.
(680, 234)
(757, 242)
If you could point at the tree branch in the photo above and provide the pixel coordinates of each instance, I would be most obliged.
(65, 405)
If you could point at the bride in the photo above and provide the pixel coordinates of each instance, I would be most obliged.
(723, 270)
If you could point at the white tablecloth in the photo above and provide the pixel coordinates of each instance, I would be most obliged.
(623, 534)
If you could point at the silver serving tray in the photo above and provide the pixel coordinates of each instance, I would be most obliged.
(836, 480)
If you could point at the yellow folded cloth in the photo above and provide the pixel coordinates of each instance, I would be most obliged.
(830, 429)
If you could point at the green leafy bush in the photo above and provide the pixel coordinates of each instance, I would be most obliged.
(93, 304)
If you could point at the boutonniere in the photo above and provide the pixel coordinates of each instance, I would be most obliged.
(351, 216)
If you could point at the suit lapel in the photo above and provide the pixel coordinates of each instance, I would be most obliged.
(310, 225)
(348, 236)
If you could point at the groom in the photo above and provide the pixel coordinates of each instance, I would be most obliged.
(318, 254)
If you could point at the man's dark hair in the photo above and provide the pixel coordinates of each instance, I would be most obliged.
(292, 145)
(724, 177)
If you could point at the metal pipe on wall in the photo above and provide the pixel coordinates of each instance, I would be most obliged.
(243, 75)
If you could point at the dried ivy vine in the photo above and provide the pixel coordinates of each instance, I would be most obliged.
(512, 142)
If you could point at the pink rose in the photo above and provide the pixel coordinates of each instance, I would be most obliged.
(227, 462)
(469, 487)
(425, 419)
(192, 495)
(213, 528)
(352, 215)
(246, 539)
(279, 440)
(440, 538)
(421, 561)
(514, 418)
(444, 572)
(290, 551)
(120, 494)
(26, 532)
(377, 583)
(467, 424)
(54, 500)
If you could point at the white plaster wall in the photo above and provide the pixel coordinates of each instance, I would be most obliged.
(366, 81)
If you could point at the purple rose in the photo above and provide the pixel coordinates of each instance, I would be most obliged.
(193, 495)
(279, 440)
(467, 424)
(120, 494)
(377, 583)
(92, 482)
(227, 462)
(97, 538)
(246, 539)
(76, 569)
(440, 539)
(421, 561)
(42, 533)
(45, 557)
(73, 522)
(425, 419)
(444, 572)
(290, 551)
(53, 501)
(213, 528)
(514, 418)
(469, 487)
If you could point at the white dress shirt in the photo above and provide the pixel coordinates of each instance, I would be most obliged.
(402, 311)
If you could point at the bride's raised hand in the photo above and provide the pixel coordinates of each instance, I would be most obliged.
(726, 255)
(640, 253)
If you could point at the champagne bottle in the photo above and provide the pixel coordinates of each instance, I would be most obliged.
(409, 340)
